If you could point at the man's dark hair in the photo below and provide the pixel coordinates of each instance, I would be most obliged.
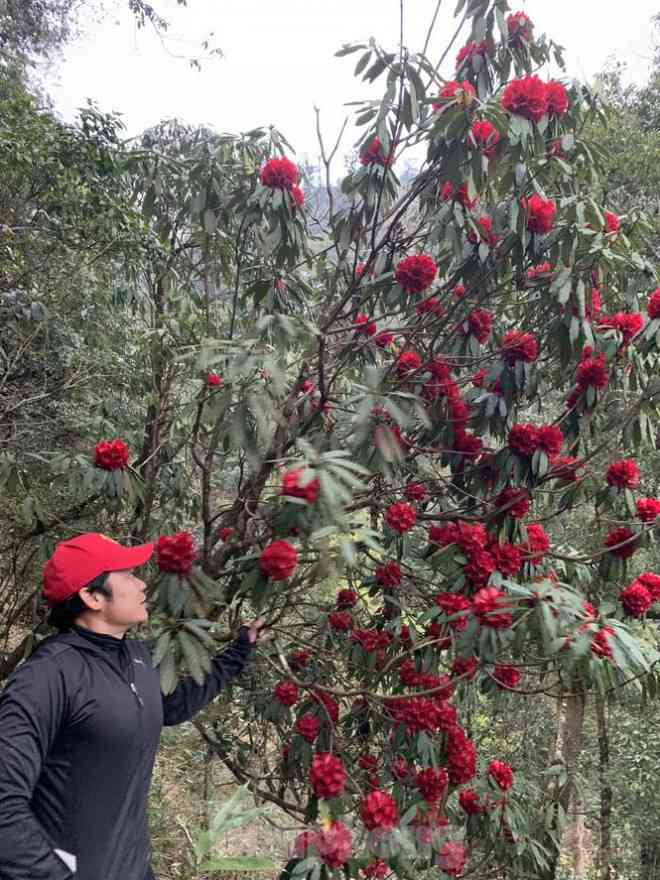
(64, 613)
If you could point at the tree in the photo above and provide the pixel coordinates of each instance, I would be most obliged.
(420, 407)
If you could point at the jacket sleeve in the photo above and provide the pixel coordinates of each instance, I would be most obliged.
(32, 709)
(189, 698)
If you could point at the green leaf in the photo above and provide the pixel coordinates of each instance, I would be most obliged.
(192, 654)
(161, 647)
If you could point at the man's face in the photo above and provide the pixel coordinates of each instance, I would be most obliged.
(127, 606)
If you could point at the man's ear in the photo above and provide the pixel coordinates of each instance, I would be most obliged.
(91, 599)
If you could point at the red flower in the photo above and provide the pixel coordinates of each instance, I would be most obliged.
(298, 659)
(430, 306)
(389, 574)
(176, 553)
(506, 676)
(648, 509)
(485, 137)
(550, 440)
(452, 604)
(628, 324)
(636, 599)
(373, 154)
(278, 560)
(618, 536)
(292, 487)
(400, 768)
(376, 870)
(501, 774)
(519, 26)
(415, 492)
(479, 324)
(346, 599)
(463, 92)
(600, 644)
(307, 726)
(485, 232)
(432, 784)
(298, 196)
(624, 474)
(111, 455)
(537, 543)
(452, 857)
(384, 339)
(470, 802)
(557, 98)
(517, 346)
(541, 214)
(468, 52)
(378, 810)
(479, 568)
(465, 667)
(612, 223)
(286, 693)
(492, 608)
(538, 273)
(341, 621)
(460, 195)
(565, 467)
(507, 558)
(514, 502)
(364, 326)
(408, 362)
(416, 273)
(327, 775)
(523, 439)
(334, 844)
(400, 517)
(526, 97)
(280, 174)
(653, 305)
(652, 583)
(213, 380)
(592, 372)
(461, 759)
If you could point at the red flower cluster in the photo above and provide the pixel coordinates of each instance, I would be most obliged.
(519, 26)
(600, 644)
(340, 620)
(513, 502)
(624, 474)
(213, 380)
(485, 137)
(408, 362)
(628, 324)
(485, 232)
(619, 536)
(333, 844)
(507, 558)
(346, 599)
(378, 811)
(492, 608)
(479, 323)
(591, 371)
(363, 326)
(507, 677)
(461, 757)
(400, 517)
(373, 154)
(524, 439)
(501, 774)
(278, 560)
(286, 693)
(299, 659)
(307, 726)
(465, 667)
(648, 509)
(415, 492)
(371, 639)
(111, 455)
(653, 305)
(612, 223)
(468, 52)
(176, 553)
(453, 90)
(388, 574)
(376, 870)
(416, 273)
(636, 599)
(541, 214)
(460, 195)
(539, 273)
(517, 346)
(652, 583)
(430, 306)
(452, 858)
(470, 802)
(384, 339)
(327, 775)
(536, 545)
(280, 174)
(531, 98)
(432, 784)
(292, 486)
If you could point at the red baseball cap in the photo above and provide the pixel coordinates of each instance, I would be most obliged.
(78, 561)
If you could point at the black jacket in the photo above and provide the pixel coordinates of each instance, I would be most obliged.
(80, 722)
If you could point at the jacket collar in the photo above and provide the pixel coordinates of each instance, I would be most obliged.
(96, 643)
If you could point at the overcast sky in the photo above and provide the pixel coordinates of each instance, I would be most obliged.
(278, 60)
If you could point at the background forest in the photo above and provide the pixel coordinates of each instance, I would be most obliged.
(128, 279)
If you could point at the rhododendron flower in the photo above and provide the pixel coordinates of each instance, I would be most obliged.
(636, 599)
(286, 693)
(479, 324)
(292, 487)
(492, 608)
(465, 667)
(526, 97)
(506, 557)
(468, 52)
(557, 98)
(612, 223)
(346, 599)
(621, 536)
(280, 174)
(485, 137)
(376, 870)
(430, 306)
(432, 784)
(628, 324)
(507, 677)
(408, 362)
(213, 380)
(479, 568)
(340, 620)
(298, 196)
(400, 517)
(373, 154)
(523, 439)
(470, 802)
(452, 858)
(334, 844)
(652, 583)
(384, 339)
(519, 26)
(448, 192)
(278, 560)
(501, 774)
(308, 726)
(600, 644)
(461, 757)
(378, 811)
(327, 775)
(653, 305)
(463, 92)
(537, 543)
(388, 574)
(550, 440)
(363, 326)
(176, 553)
(484, 232)
(624, 474)
(517, 346)
(648, 509)
(111, 455)
(592, 373)
(299, 659)
(416, 273)
(512, 502)
(415, 492)
(541, 214)
(452, 604)
(538, 273)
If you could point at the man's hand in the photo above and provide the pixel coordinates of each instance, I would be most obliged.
(257, 632)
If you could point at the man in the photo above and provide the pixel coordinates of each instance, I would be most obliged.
(80, 722)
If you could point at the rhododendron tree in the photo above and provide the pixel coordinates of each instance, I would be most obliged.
(418, 391)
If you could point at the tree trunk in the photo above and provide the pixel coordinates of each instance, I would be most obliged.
(605, 855)
(649, 858)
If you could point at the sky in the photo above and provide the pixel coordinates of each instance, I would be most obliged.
(278, 59)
